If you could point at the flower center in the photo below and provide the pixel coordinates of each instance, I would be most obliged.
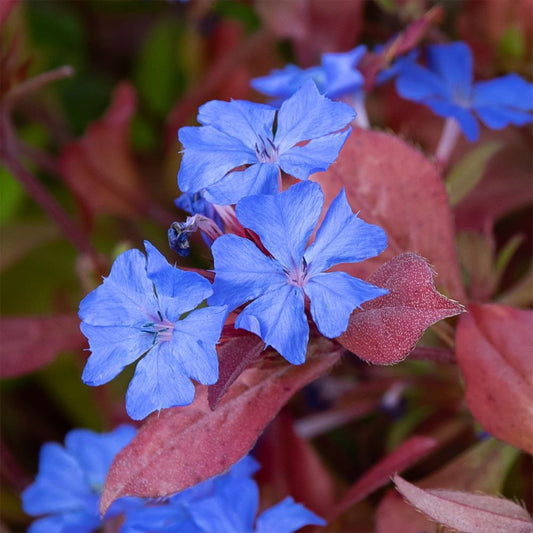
(160, 328)
(266, 150)
(462, 96)
(298, 276)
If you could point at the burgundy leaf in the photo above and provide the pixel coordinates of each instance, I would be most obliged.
(407, 454)
(394, 186)
(387, 328)
(494, 347)
(29, 343)
(182, 446)
(234, 356)
(475, 513)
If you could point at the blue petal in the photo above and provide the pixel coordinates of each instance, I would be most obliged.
(242, 272)
(126, 296)
(341, 74)
(257, 179)
(78, 522)
(286, 517)
(398, 66)
(112, 349)
(316, 156)
(464, 117)
(178, 291)
(453, 64)
(499, 117)
(308, 115)
(284, 221)
(278, 317)
(208, 155)
(193, 343)
(418, 84)
(158, 383)
(507, 91)
(60, 485)
(95, 452)
(343, 238)
(282, 83)
(245, 121)
(334, 296)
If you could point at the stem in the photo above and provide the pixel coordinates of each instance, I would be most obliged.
(359, 105)
(448, 140)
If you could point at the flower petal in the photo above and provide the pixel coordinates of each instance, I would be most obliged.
(464, 117)
(417, 83)
(308, 115)
(316, 156)
(124, 298)
(341, 74)
(284, 221)
(500, 117)
(242, 272)
(178, 291)
(208, 155)
(245, 121)
(282, 83)
(506, 91)
(286, 517)
(261, 178)
(453, 64)
(334, 296)
(112, 349)
(159, 382)
(278, 317)
(343, 238)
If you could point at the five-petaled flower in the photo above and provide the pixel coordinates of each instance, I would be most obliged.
(140, 310)
(241, 146)
(277, 284)
(446, 86)
(70, 481)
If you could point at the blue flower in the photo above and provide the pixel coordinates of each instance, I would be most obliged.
(227, 503)
(277, 284)
(240, 134)
(397, 66)
(140, 310)
(446, 86)
(336, 77)
(70, 481)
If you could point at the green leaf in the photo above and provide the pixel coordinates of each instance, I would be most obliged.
(11, 195)
(512, 43)
(469, 170)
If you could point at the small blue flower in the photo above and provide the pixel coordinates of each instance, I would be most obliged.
(139, 311)
(240, 134)
(336, 77)
(278, 284)
(446, 86)
(70, 481)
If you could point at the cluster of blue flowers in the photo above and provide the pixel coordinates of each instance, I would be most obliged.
(268, 272)
(68, 487)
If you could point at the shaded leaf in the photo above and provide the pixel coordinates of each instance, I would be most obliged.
(469, 170)
(494, 347)
(396, 187)
(387, 328)
(99, 168)
(182, 446)
(29, 343)
(466, 511)
(407, 454)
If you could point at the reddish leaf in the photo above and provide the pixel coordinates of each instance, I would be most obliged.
(494, 347)
(234, 356)
(407, 454)
(466, 511)
(290, 466)
(183, 446)
(395, 186)
(99, 167)
(29, 343)
(387, 328)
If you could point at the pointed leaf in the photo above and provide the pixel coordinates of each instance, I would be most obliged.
(396, 187)
(180, 447)
(29, 343)
(494, 347)
(475, 513)
(387, 328)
